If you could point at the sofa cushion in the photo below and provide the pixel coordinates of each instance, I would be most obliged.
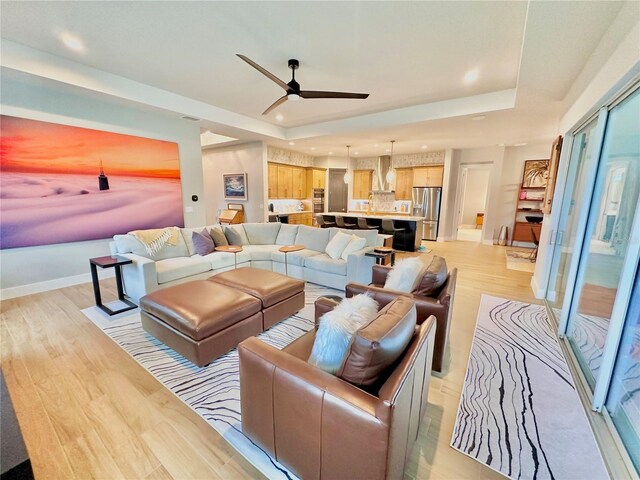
(225, 260)
(371, 236)
(312, 238)
(324, 263)
(287, 234)
(262, 233)
(187, 236)
(202, 242)
(337, 244)
(130, 244)
(236, 235)
(260, 252)
(294, 258)
(218, 237)
(171, 269)
(433, 277)
(356, 243)
(336, 329)
(379, 343)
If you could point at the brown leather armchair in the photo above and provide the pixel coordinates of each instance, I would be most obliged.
(440, 306)
(325, 428)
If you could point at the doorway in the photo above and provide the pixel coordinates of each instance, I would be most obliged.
(472, 200)
(338, 190)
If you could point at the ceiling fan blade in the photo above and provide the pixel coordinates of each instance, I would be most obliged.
(275, 104)
(265, 72)
(318, 94)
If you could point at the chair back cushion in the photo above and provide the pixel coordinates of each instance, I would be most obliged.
(433, 278)
(378, 344)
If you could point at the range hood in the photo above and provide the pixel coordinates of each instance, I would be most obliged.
(383, 167)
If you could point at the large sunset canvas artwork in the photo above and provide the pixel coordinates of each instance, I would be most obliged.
(61, 184)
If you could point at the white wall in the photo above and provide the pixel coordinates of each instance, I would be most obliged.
(250, 158)
(475, 194)
(66, 264)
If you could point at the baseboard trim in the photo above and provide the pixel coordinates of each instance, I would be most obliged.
(30, 289)
(538, 291)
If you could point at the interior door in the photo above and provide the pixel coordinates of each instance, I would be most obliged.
(338, 193)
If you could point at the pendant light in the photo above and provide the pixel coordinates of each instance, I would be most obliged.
(391, 173)
(347, 175)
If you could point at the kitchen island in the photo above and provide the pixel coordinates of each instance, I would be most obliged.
(407, 240)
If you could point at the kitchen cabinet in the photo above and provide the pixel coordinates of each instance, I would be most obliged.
(299, 186)
(300, 218)
(362, 180)
(404, 183)
(316, 178)
(428, 176)
(285, 181)
(272, 177)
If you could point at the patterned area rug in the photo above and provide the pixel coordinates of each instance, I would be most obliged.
(519, 260)
(213, 391)
(519, 413)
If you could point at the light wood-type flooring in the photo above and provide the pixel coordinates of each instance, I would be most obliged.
(88, 410)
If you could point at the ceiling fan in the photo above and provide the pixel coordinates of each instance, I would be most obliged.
(293, 88)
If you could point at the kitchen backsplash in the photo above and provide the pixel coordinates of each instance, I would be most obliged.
(287, 206)
(382, 202)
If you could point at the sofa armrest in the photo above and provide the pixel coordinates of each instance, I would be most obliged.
(380, 295)
(322, 306)
(380, 273)
(139, 277)
(359, 266)
(312, 419)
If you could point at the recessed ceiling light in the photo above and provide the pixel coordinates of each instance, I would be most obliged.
(279, 117)
(72, 42)
(356, 153)
(292, 143)
(501, 144)
(479, 117)
(330, 153)
(471, 76)
(312, 148)
(376, 145)
(423, 147)
(519, 144)
(388, 150)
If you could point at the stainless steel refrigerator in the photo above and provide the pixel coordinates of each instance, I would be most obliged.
(426, 204)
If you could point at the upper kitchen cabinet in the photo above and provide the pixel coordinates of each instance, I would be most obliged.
(404, 183)
(362, 180)
(299, 187)
(272, 175)
(316, 178)
(428, 176)
(285, 181)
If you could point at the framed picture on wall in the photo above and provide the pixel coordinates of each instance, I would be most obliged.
(235, 186)
(556, 149)
(536, 174)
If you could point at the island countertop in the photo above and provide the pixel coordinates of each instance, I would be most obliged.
(380, 216)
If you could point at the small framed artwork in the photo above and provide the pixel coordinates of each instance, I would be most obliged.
(536, 174)
(235, 186)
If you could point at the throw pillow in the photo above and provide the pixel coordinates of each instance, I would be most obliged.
(336, 329)
(218, 237)
(236, 235)
(433, 278)
(404, 276)
(337, 244)
(356, 243)
(379, 343)
(202, 242)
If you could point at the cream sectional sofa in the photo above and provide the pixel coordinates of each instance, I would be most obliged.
(260, 242)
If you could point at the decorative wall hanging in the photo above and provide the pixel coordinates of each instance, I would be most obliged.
(235, 186)
(536, 174)
(64, 184)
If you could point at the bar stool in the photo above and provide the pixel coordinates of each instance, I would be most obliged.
(345, 223)
(324, 223)
(364, 225)
(388, 227)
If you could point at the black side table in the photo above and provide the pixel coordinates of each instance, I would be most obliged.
(383, 258)
(110, 262)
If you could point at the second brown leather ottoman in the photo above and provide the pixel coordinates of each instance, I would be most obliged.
(201, 320)
(281, 296)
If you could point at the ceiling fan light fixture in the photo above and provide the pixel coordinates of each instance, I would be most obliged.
(293, 96)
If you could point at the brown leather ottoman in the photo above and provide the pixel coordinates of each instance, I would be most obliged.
(281, 296)
(201, 320)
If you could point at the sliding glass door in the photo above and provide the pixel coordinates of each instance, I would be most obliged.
(607, 237)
